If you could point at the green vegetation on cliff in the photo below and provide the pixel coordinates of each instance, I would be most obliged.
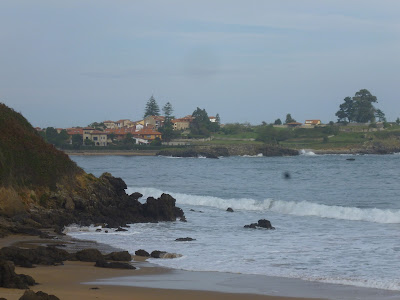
(26, 160)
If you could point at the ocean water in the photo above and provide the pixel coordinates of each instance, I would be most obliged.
(337, 221)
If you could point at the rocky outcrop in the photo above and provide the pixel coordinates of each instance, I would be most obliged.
(142, 253)
(40, 187)
(31, 295)
(40, 256)
(231, 150)
(9, 279)
(114, 265)
(260, 224)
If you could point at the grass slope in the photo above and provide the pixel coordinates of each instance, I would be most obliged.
(26, 160)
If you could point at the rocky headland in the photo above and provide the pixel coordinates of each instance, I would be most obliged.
(42, 190)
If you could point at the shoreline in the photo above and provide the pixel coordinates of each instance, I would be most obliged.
(154, 152)
(82, 280)
(111, 152)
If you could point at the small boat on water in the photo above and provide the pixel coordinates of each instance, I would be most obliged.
(350, 159)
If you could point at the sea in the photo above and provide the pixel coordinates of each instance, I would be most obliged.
(336, 217)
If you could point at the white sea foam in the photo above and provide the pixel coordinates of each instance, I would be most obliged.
(302, 208)
(306, 152)
(258, 155)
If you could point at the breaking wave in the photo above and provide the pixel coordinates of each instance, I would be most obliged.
(306, 152)
(301, 208)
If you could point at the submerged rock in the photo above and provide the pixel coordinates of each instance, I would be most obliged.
(229, 209)
(164, 254)
(186, 239)
(263, 223)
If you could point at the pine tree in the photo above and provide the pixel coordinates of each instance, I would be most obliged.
(152, 108)
(167, 109)
(217, 119)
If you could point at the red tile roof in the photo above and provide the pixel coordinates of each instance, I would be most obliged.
(147, 131)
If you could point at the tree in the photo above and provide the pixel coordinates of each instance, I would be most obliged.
(201, 123)
(152, 108)
(398, 121)
(359, 109)
(345, 113)
(98, 126)
(289, 119)
(218, 119)
(380, 115)
(77, 141)
(167, 109)
(278, 122)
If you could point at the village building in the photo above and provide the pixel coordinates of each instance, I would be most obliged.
(154, 121)
(182, 123)
(110, 124)
(147, 134)
(312, 122)
(294, 124)
(122, 123)
(213, 119)
(99, 138)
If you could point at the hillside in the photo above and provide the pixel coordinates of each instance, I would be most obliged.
(41, 187)
(26, 160)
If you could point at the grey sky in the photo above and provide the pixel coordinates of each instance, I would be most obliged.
(65, 63)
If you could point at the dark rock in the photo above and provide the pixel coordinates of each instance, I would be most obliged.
(121, 229)
(135, 196)
(49, 255)
(94, 288)
(229, 209)
(186, 239)
(98, 230)
(142, 252)
(90, 255)
(119, 256)
(252, 225)
(106, 231)
(9, 279)
(114, 265)
(263, 223)
(158, 254)
(162, 209)
(351, 159)
(260, 224)
(31, 295)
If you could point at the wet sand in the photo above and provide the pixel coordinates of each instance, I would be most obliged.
(68, 281)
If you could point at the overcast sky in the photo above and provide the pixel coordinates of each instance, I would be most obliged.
(65, 63)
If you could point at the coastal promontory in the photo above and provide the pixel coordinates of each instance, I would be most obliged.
(40, 187)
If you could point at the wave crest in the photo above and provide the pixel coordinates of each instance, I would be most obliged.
(302, 208)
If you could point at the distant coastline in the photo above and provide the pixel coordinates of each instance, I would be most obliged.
(112, 152)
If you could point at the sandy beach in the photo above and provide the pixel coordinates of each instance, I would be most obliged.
(66, 281)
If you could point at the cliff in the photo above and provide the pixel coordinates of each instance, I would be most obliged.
(41, 187)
